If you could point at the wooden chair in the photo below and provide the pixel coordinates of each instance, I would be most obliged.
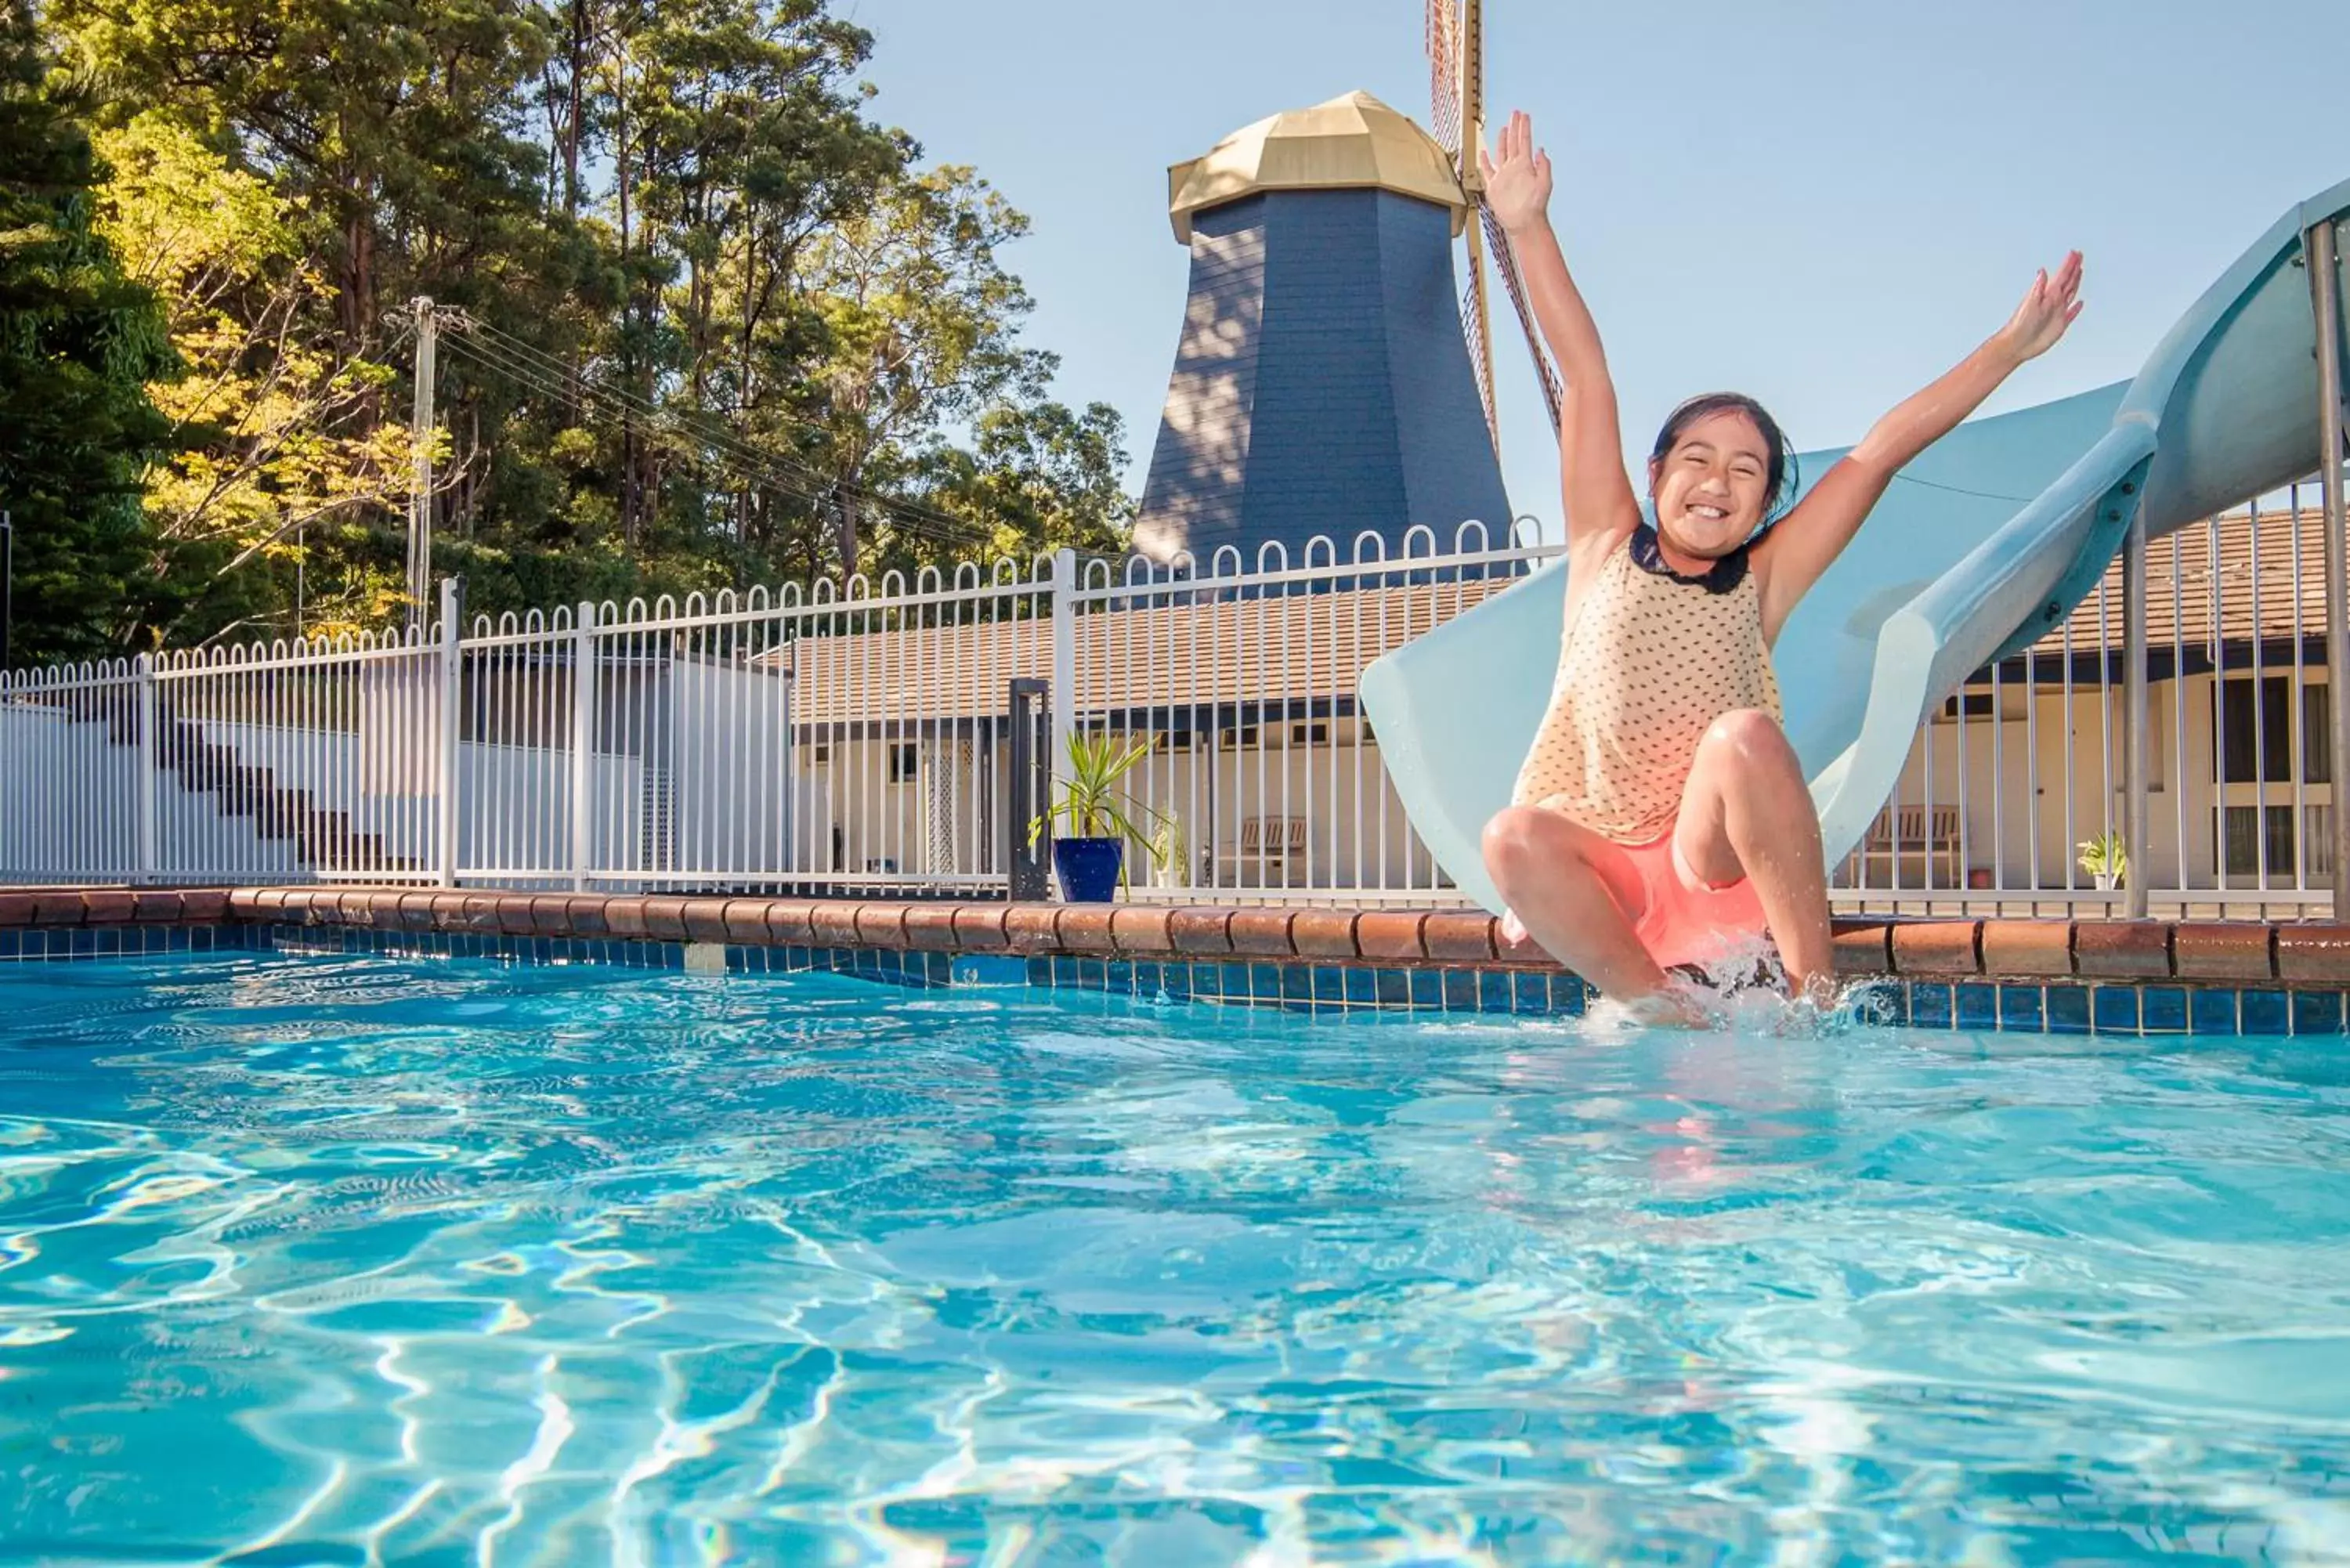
(1271, 854)
(1929, 836)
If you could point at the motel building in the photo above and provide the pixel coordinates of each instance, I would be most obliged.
(1272, 778)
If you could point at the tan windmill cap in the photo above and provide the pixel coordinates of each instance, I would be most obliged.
(1350, 143)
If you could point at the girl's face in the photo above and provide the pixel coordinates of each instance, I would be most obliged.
(1708, 489)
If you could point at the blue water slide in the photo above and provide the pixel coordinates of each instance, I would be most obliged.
(1981, 546)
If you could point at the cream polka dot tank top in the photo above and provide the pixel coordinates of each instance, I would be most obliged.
(1648, 660)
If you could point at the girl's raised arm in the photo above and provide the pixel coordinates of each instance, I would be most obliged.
(1807, 541)
(1596, 493)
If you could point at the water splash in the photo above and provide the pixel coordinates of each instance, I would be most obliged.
(1744, 988)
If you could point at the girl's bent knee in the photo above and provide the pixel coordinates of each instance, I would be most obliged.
(1511, 841)
(1751, 732)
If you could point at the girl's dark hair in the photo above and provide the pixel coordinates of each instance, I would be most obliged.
(1782, 479)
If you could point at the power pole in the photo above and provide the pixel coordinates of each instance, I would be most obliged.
(419, 495)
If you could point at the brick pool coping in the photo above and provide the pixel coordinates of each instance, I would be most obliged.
(2231, 953)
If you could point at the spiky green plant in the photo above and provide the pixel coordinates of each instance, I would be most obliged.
(1090, 801)
(2105, 856)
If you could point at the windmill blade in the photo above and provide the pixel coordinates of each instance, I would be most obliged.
(1477, 327)
(1444, 74)
(1505, 261)
(1469, 91)
(1456, 58)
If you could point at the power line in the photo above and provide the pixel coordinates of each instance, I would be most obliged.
(740, 461)
(593, 398)
(775, 469)
(549, 365)
(551, 377)
(605, 405)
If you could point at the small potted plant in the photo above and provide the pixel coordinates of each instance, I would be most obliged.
(1171, 853)
(2106, 859)
(1091, 856)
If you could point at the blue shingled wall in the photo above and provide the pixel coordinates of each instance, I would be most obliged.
(1321, 385)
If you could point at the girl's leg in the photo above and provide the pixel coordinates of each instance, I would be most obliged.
(1748, 813)
(1548, 870)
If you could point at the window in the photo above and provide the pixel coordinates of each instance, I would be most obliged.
(819, 755)
(1970, 705)
(2255, 741)
(1174, 741)
(1316, 734)
(904, 762)
(2256, 744)
(1242, 739)
(2242, 850)
(2316, 736)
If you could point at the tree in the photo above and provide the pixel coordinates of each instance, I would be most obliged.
(736, 139)
(277, 455)
(921, 323)
(720, 327)
(78, 342)
(399, 126)
(1038, 477)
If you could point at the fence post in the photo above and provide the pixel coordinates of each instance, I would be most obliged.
(583, 744)
(148, 757)
(452, 672)
(2136, 828)
(1065, 660)
(2325, 298)
(1028, 868)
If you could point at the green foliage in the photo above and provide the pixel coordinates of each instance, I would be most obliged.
(726, 329)
(1038, 476)
(1091, 801)
(78, 342)
(2105, 856)
(275, 437)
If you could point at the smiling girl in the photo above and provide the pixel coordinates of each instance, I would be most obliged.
(1661, 817)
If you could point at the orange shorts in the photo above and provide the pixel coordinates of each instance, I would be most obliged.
(1679, 919)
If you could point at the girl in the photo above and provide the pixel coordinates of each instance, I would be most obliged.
(1661, 818)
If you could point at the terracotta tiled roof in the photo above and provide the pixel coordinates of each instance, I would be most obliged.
(1174, 652)
(1195, 651)
(2182, 569)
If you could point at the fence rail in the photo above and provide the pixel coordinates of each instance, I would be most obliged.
(863, 738)
(2011, 788)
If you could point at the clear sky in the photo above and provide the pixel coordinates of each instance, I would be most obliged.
(1823, 204)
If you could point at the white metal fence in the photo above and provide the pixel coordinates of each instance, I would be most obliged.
(823, 741)
(2011, 786)
(831, 740)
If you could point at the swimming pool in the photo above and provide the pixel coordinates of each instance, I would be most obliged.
(359, 1259)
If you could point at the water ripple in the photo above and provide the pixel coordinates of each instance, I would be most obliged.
(345, 1260)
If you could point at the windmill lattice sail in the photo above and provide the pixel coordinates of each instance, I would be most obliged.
(1456, 96)
(1444, 74)
(1505, 261)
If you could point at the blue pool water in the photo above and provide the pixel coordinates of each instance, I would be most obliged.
(359, 1260)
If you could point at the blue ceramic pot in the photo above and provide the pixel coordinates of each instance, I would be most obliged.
(1088, 869)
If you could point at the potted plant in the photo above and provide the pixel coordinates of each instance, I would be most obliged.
(1091, 856)
(1170, 854)
(2106, 859)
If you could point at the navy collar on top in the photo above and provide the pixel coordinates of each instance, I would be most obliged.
(1719, 578)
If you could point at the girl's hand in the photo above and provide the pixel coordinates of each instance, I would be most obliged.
(2047, 309)
(1518, 176)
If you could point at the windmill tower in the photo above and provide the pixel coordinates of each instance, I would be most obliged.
(1332, 376)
